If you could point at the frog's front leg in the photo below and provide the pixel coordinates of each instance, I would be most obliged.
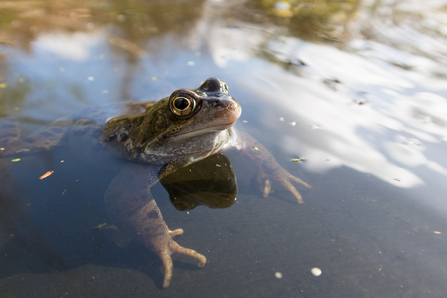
(132, 208)
(268, 166)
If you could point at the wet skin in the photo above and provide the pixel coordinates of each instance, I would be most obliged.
(177, 131)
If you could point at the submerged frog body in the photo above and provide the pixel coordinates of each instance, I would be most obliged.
(158, 139)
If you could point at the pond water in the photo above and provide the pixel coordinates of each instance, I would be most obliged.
(349, 96)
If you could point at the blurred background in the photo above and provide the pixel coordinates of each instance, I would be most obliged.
(349, 96)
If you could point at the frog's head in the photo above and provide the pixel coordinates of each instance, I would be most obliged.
(188, 125)
(206, 109)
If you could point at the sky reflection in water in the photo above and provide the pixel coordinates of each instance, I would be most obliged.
(366, 92)
(370, 107)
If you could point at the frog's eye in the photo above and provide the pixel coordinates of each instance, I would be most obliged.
(182, 105)
(223, 87)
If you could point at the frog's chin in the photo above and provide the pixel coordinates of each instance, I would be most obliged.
(191, 134)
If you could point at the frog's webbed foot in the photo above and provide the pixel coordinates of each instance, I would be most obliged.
(173, 247)
(267, 164)
(285, 178)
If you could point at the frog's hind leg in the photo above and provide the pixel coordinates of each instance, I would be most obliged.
(133, 209)
(16, 141)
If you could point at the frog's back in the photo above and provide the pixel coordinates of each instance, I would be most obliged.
(15, 142)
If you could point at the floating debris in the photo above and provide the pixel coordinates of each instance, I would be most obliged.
(316, 126)
(397, 179)
(412, 142)
(244, 121)
(190, 63)
(402, 65)
(437, 232)
(255, 148)
(332, 83)
(316, 271)
(47, 174)
(278, 275)
(298, 160)
(3, 85)
(90, 78)
(15, 159)
(293, 123)
(100, 226)
(360, 101)
(281, 119)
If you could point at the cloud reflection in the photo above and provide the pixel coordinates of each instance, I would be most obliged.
(74, 46)
(384, 137)
(377, 107)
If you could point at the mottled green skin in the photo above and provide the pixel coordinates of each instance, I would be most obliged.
(158, 138)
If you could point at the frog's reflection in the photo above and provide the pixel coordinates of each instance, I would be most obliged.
(210, 182)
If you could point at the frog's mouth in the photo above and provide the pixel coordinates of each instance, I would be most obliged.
(179, 137)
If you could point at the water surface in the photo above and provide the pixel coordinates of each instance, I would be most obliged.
(355, 89)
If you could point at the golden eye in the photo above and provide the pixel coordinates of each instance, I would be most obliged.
(182, 105)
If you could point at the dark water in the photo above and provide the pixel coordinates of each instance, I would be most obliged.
(356, 89)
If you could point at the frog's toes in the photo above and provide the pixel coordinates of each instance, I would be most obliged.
(292, 189)
(267, 188)
(262, 182)
(285, 178)
(297, 180)
(285, 181)
(174, 247)
(176, 232)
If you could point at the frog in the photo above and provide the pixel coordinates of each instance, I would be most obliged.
(155, 139)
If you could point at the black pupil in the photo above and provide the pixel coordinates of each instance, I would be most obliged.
(181, 103)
